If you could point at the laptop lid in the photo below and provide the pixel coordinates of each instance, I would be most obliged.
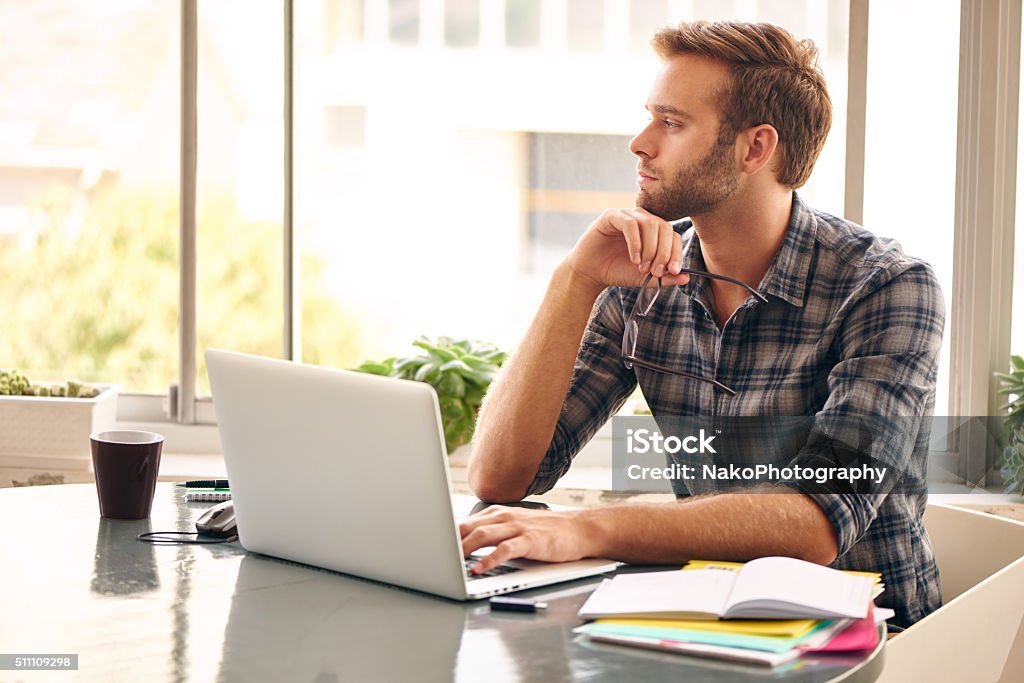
(338, 469)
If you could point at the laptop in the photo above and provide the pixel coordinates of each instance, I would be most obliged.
(348, 471)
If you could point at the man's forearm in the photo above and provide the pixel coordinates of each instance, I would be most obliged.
(518, 418)
(732, 526)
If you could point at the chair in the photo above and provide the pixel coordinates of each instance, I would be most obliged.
(977, 635)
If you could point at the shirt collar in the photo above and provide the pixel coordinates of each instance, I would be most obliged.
(786, 277)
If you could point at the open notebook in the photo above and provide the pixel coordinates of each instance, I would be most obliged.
(766, 588)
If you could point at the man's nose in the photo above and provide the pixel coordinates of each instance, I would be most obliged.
(641, 144)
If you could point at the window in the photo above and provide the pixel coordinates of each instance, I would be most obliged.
(522, 23)
(584, 25)
(559, 201)
(446, 154)
(89, 191)
(239, 240)
(471, 169)
(910, 161)
(646, 17)
(462, 23)
(1017, 337)
(1017, 334)
(404, 18)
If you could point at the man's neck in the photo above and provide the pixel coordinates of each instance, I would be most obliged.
(740, 241)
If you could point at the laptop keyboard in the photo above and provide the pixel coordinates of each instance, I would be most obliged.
(497, 571)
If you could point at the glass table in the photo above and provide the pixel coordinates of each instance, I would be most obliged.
(74, 583)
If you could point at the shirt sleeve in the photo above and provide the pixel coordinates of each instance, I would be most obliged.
(600, 384)
(881, 392)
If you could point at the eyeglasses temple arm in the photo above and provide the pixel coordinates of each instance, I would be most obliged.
(726, 278)
(661, 368)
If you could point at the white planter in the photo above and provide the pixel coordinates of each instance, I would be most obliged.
(53, 433)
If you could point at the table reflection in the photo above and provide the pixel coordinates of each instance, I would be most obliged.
(292, 622)
(121, 567)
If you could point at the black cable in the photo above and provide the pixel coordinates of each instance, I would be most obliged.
(160, 538)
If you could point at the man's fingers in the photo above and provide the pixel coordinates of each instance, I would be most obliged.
(649, 235)
(676, 261)
(505, 551)
(484, 536)
(489, 515)
(666, 243)
(630, 229)
(657, 241)
(672, 280)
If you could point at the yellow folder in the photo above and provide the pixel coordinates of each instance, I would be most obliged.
(789, 628)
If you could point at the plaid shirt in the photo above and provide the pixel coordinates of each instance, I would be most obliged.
(852, 327)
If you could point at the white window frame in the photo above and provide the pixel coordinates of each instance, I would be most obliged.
(181, 409)
(985, 214)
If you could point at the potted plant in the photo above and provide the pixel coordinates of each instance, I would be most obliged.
(1012, 386)
(459, 370)
(47, 426)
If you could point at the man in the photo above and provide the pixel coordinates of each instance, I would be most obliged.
(849, 326)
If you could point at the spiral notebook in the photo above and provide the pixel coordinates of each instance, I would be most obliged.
(207, 496)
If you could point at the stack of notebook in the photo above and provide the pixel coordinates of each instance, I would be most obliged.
(768, 611)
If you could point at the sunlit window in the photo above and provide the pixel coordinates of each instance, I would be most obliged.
(89, 191)
(447, 154)
(470, 167)
(910, 160)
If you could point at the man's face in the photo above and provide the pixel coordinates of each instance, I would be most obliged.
(683, 168)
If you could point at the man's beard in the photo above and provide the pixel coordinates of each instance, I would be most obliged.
(696, 189)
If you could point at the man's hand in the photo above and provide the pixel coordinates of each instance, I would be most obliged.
(623, 246)
(533, 534)
(517, 421)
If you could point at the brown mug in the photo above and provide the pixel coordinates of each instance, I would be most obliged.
(126, 463)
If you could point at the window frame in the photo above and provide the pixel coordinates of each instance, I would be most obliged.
(985, 221)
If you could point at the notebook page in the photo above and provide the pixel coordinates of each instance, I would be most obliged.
(693, 592)
(777, 582)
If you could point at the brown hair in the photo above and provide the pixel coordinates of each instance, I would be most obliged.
(775, 80)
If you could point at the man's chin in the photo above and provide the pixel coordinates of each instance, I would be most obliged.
(647, 203)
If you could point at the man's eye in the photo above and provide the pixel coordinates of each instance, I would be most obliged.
(669, 123)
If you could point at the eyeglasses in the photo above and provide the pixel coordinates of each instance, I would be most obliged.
(644, 302)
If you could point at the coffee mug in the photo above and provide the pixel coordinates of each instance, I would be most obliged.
(126, 463)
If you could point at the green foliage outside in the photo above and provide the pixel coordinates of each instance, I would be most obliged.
(459, 370)
(101, 302)
(1012, 386)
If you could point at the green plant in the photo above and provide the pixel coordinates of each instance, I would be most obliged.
(13, 383)
(1013, 464)
(459, 370)
(1012, 386)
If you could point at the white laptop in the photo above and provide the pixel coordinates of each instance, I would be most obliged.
(348, 471)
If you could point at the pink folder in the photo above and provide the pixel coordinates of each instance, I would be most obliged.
(860, 635)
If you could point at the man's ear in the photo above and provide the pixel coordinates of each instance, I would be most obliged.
(757, 147)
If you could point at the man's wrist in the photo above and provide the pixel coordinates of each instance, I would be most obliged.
(576, 286)
(593, 530)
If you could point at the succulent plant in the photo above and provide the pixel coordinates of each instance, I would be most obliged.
(459, 370)
(1012, 465)
(13, 383)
